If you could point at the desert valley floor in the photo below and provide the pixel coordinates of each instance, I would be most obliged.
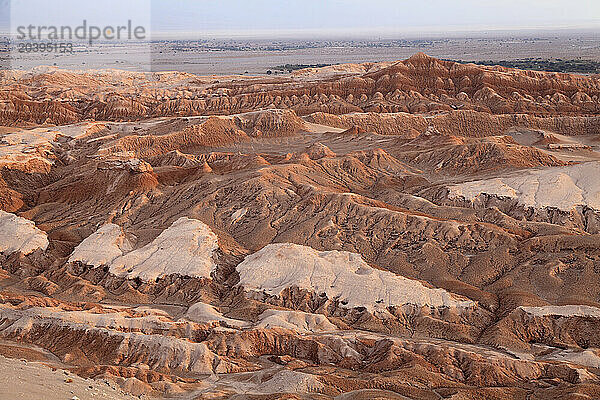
(403, 230)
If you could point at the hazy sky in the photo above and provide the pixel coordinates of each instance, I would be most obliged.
(372, 15)
(255, 17)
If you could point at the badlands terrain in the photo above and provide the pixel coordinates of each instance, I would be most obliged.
(417, 229)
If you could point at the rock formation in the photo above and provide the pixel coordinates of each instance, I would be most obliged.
(414, 229)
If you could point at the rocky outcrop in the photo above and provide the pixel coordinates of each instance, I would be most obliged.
(185, 248)
(102, 247)
(566, 195)
(338, 275)
(20, 235)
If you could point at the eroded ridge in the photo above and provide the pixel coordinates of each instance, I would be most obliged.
(412, 229)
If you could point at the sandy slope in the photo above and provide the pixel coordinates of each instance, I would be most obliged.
(560, 187)
(23, 380)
